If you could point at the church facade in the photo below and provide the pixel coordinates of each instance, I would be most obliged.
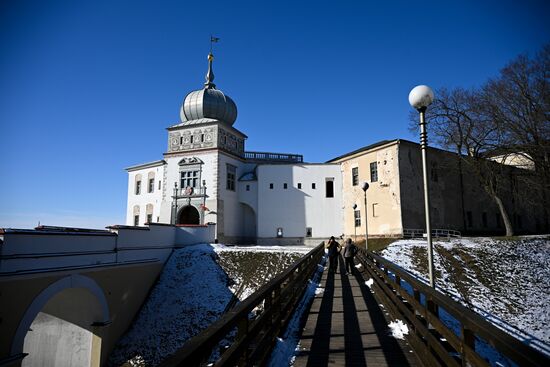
(207, 176)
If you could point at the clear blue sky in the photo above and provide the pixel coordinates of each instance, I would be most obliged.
(88, 87)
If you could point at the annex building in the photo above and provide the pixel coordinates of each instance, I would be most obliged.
(207, 176)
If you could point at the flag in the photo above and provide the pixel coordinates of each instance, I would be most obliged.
(214, 39)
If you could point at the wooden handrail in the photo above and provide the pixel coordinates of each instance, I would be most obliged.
(255, 335)
(432, 340)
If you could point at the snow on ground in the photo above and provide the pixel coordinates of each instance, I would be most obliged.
(506, 281)
(178, 307)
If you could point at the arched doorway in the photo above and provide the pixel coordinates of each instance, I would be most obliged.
(189, 215)
(248, 223)
(58, 327)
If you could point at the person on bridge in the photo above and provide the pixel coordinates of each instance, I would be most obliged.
(349, 253)
(333, 250)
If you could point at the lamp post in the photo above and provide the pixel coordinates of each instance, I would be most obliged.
(420, 98)
(354, 223)
(365, 187)
(175, 204)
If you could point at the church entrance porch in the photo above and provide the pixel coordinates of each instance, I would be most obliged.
(189, 215)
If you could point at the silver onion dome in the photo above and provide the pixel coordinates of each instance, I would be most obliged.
(209, 102)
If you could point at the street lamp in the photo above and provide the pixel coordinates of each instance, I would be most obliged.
(354, 223)
(365, 187)
(175, 204)
(420, 98)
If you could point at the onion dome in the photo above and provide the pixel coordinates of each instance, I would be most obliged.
(208, 103)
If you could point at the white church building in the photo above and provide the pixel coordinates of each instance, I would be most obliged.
(206, 176)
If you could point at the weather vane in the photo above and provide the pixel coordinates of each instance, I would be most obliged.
(212, 41)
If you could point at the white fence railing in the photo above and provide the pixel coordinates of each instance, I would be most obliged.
(439, 233)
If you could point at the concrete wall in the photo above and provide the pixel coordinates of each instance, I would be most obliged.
(294, 209)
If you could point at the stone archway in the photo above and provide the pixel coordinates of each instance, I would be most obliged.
(189, 215)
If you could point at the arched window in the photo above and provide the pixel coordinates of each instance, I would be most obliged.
(151, 182)
(136, 215)
(137, 185)
(149, 213)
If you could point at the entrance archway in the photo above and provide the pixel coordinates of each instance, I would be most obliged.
(189, 215)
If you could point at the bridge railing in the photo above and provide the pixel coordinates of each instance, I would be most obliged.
(438, 233)
(444, 332)
(253, 324)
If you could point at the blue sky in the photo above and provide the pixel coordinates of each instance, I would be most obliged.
(88, 87)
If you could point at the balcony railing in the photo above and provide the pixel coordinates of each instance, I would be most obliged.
(274, 157)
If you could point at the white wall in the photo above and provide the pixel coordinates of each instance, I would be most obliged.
(294, 209)
(144, 198)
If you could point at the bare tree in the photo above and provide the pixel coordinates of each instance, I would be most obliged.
(517, 102)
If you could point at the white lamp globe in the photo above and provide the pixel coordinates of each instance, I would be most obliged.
(421, 96)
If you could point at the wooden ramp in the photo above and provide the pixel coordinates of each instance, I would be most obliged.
(347, 327)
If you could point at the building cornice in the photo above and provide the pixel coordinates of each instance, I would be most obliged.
(162, 162)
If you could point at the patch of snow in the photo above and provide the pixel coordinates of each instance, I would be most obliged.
(319, 291)
(369, 282)
(505, 281)
(398, 329)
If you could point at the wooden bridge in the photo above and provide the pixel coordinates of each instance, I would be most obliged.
(347, 323)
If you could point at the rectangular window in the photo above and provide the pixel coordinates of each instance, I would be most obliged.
(484, 219)
(181, 140)
(329, 185)
(375, 210)
(247, 187)
(313, 186)
(271, 186)
(151, 185)
(189, 179)
(285, 186)
(136, 220)
(355, 176)
(357, 217)
(160, 183)
(231, 173)
(469, 220)
(138, 187)
(202, 138)
(308, 231)
(158, 219)
(373, 172)
(191, 139)
(299, 185)
(149, 218)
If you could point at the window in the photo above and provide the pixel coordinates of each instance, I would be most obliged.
(231, 173)
(375, 209)
(279, 232)
(158, 219)
(151, 185)
(247, 187)
(373, 172)
(160, 183)
(484, 219)
(285, 186)
(355, 176)
(189, 179)
(138, 187)
(329, 185)
(299, 185)
(469, 220)
(181, 140)
(202, 138)
(357, 217)
(313, 186)
(149, 218)
(308, 231)
(271, 186)
(136, 220)
(191, 139)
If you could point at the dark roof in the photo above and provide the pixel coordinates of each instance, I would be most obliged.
(368, 147)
